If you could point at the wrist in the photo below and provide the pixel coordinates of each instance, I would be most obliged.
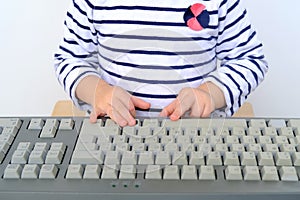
(88, 88)
(215, 93)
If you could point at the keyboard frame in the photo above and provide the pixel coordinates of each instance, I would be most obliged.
(61, 188)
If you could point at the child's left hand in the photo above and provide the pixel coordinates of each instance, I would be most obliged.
(197, 101)
(200, 101)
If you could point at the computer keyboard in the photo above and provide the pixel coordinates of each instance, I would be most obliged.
(211, 158)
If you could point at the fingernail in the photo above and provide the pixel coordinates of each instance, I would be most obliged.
(174, 117)
(123, 123)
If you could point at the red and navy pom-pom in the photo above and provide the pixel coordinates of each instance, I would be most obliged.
(196, 17)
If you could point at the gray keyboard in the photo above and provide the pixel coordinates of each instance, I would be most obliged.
(224, 158)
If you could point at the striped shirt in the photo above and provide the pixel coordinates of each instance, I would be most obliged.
(147, 48)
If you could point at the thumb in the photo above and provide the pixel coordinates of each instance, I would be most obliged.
(169, 109)
(93, 117)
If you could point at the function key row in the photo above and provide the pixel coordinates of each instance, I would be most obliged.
(205, 122)
(50, 126)
(39, 124)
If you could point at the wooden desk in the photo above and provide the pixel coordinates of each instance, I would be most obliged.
(66, 108)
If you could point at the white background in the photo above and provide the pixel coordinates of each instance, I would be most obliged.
(30, 32)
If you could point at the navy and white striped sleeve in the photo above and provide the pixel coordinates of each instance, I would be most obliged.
(76, 57)
(243, 65)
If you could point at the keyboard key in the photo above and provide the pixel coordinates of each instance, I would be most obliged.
(153, 172)
(7, 138)
(146, 158)
(254, 131)
(269, 131)
(257, 123)
(4, 146)
(59, 146)
(294, 122)
(51, 122)
(25, 146)
(131, 131)
(183, 139)
(280, 139)
(207, 131)
(223, 131)
(86, 157)
(231, 158)
(179, 158)
(171, 172)
(286, 131)
(214, 158)
(238, 131)
(196, 158)
(253, 148)
(248, 139)
(151, 122)
(233, 173)
(265, 158)
(43, 146)
(251, 173)
(169, 123)
(171, 147)
(92, 172)
(109, 172)
(36, 124)
(269, 173)
(204, 148)
(270, 148)
(154, 147)
(120, 147)
(54, 157)
(288, 173)
(283, 159)
(8, 122)
(264, 139)
(231, 139)
(127, 172)
(189, 172)
(287, 148)
(48, 172)
(144, 132)
(20, 157)
(206, 172)
(277, 123)
(138, 147)
(12, 171)
(37, 157)
(10, 131)
(129, 158)
(222, 148)
(30, 171)
(248, 158)
(112, 158)
(296, 158)
(237, 148)
(74, 172)
(163, 158)
(66, 124)
(48, 132)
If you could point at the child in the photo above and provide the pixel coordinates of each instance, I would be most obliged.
(120, 58)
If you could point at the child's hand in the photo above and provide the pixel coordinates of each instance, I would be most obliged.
(197, 101)
(117, 103)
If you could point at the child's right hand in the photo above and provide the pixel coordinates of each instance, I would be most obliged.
(117, 103)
